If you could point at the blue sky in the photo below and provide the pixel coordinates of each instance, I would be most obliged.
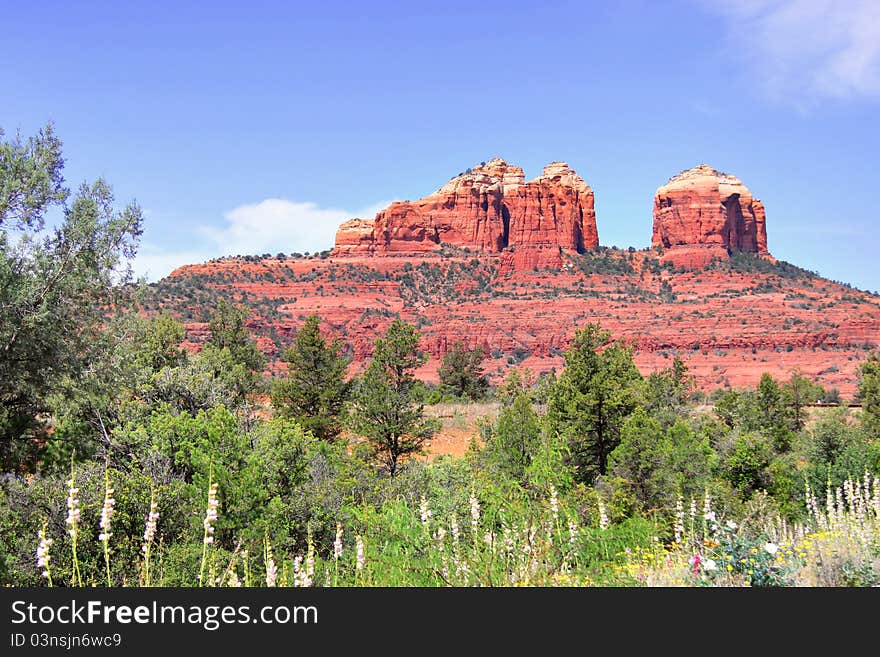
(257, 127)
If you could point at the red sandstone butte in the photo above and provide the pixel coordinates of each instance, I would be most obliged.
(702, 214)
(489, 208)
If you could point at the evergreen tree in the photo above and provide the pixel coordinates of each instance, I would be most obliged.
(157, 343)
(228, 325)
(641, 461)
(667, 392)
(869, 394)
(592, 398)
(314, 391)
(773, 414)
(386, 407)
(516, 437)
(55, 285)
(797, 392)
(769, 401)
(461, 372)
(692, 459)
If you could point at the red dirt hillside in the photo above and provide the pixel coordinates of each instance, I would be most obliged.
(491, 260)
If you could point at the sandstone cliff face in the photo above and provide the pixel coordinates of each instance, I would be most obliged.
(550, 214)
(702, 214)
(467, 211)
(489, 208)
(355, 236)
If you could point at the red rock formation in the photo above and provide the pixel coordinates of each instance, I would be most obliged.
(729, 325)
(355, 236)
(488, 208)
(549, 215)
(702, 214)
(467, 211)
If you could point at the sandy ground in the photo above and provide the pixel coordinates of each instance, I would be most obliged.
(459, 426)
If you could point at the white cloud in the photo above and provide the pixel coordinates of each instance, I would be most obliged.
(154, 263)
(803, 51)
(277, 225)
(270, 226)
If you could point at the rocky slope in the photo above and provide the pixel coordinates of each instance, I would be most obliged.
(730, 321)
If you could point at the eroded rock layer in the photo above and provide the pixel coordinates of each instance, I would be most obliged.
(702, 214)
(489, 208)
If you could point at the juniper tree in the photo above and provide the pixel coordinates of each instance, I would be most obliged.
(56, 284)
(869, 394)
(797, 392)
(228, 326)
(516, 437)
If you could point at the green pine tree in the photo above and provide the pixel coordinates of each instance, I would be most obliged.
(56, 286)
(515, 438)
(797, 392)
(592, 398)
(314, 391)
(869, 393)
(461, 372)
(386, 407)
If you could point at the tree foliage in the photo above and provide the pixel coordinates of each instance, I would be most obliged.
(314, 391)
(461, 372)
(386, 406)
(869, 393)
(797, 392)
(56, 285)
(516, 438)
(592, 398)
(667, 392)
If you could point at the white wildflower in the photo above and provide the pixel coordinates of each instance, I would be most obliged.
(150, 528)
(106, 515)
(475, 514)
(573, 531)
(679, 520)
(211, 514)
(271, 566)
(424, 511)
(771, 548)
(43, 556)
(73, 512)
(361, 557)
(297, 571)
(337, 544)
(310, 567)
(603, 517)
(271, 571)
(708, 513)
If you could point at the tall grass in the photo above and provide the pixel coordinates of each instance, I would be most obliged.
(837, 545)
(523, 540)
